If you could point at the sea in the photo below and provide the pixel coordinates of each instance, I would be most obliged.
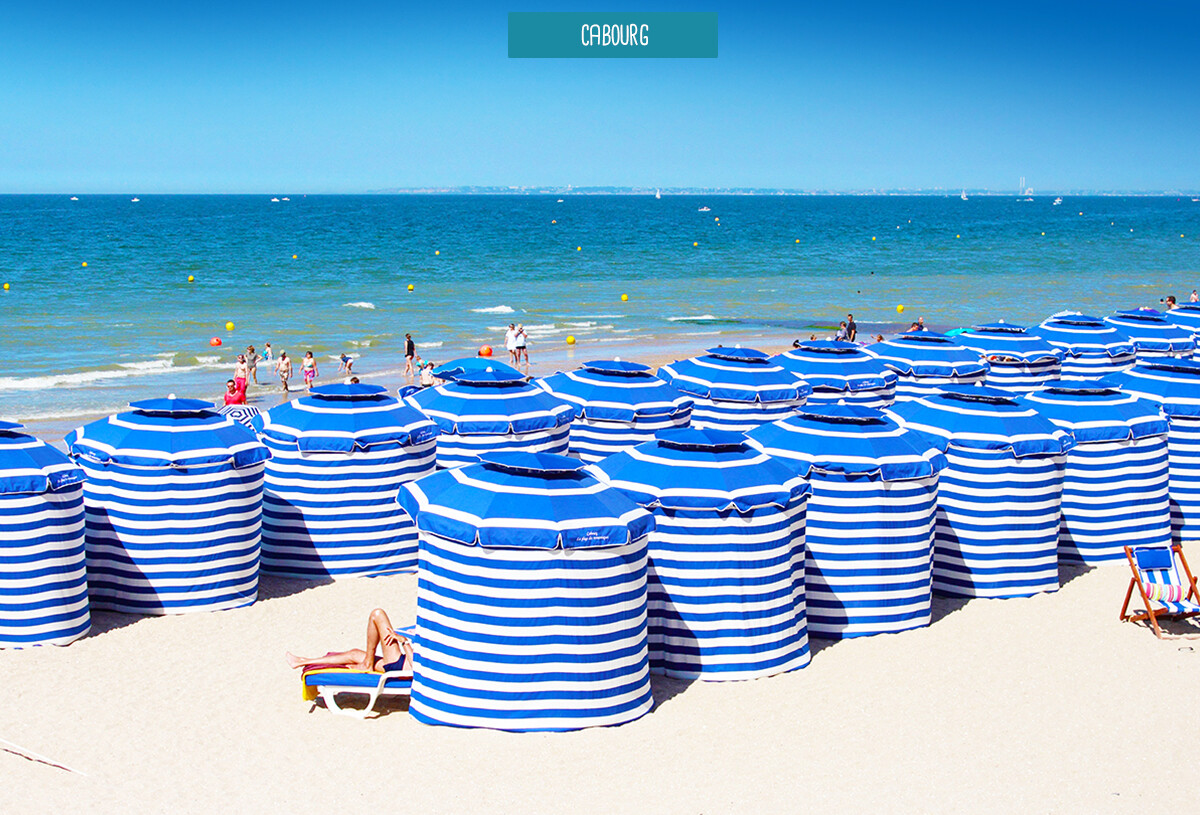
(112, 299)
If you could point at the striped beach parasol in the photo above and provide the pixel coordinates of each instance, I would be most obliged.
(841, 371)
(618, 405)
(1115, 486)
(1174, 384)
(247, 415)
(174, 508)
(1017, 360)
(1153, 335)
(1091, 347)
(531, 597)
(726, 575)
(924, 361)
(736, 388)
(999, 496)
(491, 411)
(1187, 317)
(43, 582)
(465, 365)
(338, 456)
(871, 517)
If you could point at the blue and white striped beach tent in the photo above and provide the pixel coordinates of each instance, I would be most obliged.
(924, 361)
(841, 371)
(1115, 487)
(174, 508)
(1174, 384)
(1153, 335)
(1187, 317)
(531, 597)
(618, 405)
(248, 415)
(43, 582)
(999, 496)
(465, 365)
(1017, 360)
(493, 412)
(736, 388)
(338, 456)
(871, 517)
(1092, 348)
(726, 576)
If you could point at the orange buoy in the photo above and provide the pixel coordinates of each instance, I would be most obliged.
(485, 350)
(214, 342)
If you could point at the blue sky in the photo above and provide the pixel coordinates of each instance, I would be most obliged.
(318, 97)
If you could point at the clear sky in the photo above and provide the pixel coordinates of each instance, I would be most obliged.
(249, 96)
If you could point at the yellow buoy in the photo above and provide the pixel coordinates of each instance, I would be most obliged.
(958, 236)
(570, 339)
(293, 257)
(695, 243)
(1043, 233)
(578, 248)
(410, 286)
(554, 222)
(797, 240)
(6, 287)
(191, 278)
(716, 219)
(624, 298)
(899, 309)
(229, 326)
(872, 237)
(85, 263)
(437, 251)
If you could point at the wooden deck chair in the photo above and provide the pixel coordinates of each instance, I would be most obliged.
(326, 682)
(1165, 583)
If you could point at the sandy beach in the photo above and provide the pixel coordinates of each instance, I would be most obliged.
(1046, 704)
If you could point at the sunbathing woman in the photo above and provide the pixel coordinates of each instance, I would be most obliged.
(397, 650)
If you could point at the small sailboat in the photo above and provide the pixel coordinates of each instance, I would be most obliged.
(134, 200)
(657, 193)
(704, 209)
(964, 195)
(76, 198)
(1056, 202)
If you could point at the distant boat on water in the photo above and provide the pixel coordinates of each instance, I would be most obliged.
(76, 198)
(285, 198)
(964, 195)
(704, 209)
(1057, 201)
(658, 193)
(274, 200)
(559, 201)
(134, 200)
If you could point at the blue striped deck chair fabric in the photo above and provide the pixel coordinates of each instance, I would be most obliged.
(326, 683)
(1165, 583)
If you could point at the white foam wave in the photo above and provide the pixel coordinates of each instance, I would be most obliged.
(494, 310)
(359, 304)
(587, 324)
(437, 344)
(700, 333)
(122, 371)
(692, 318)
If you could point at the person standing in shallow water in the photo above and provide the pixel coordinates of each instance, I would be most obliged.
(308, 367)
(410, 351)
(283, 367)
(851, 328)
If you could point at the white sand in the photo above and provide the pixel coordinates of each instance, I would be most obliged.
(1048, 704)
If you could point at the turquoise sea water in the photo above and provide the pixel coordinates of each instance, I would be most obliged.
(84, 340)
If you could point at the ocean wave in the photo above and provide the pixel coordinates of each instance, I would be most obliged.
(588, 324)
(177, 363)
(494, 310)
(437, 344)
(359, 304)
(693, 318)
(599, 317)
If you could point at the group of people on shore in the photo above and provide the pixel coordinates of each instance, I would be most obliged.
(245, 371)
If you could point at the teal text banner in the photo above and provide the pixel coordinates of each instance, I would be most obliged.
(612, 34)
